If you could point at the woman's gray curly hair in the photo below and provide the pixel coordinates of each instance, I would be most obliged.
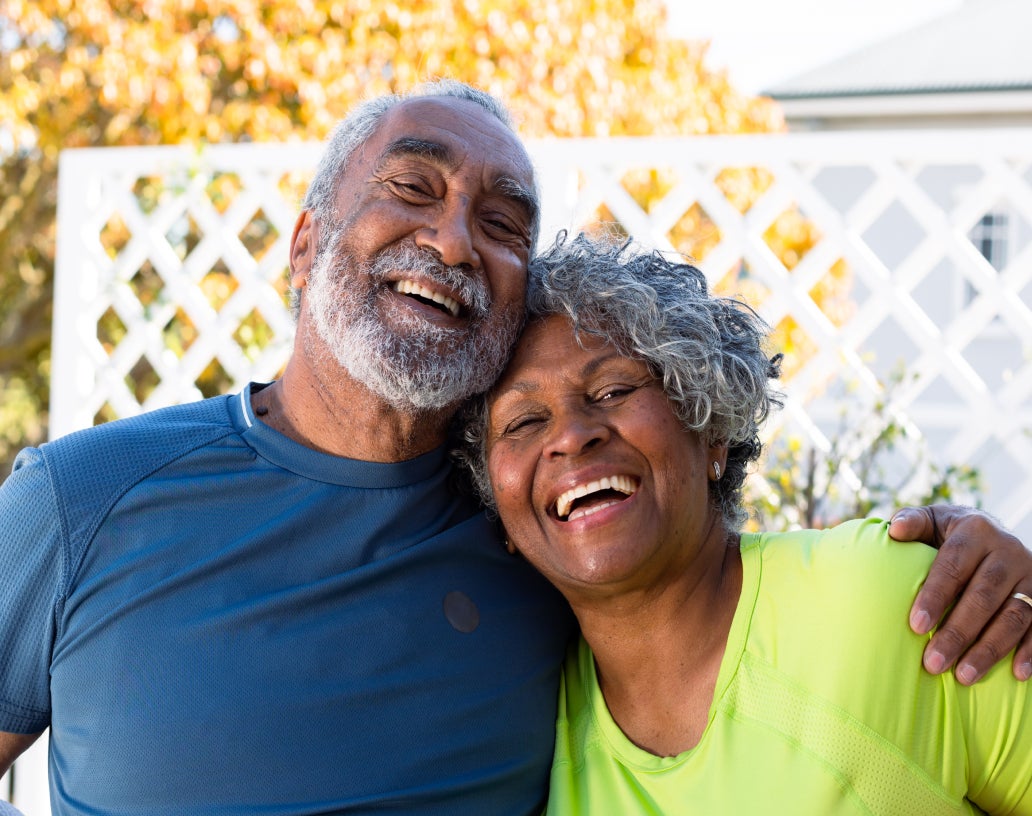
(708, 351)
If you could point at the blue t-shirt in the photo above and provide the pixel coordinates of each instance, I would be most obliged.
(212, 618)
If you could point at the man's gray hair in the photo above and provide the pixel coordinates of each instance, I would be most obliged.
(708, 351)
(360, 124)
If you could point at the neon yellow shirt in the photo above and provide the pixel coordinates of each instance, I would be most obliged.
(821, 704)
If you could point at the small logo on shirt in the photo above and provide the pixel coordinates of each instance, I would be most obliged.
(461, 612)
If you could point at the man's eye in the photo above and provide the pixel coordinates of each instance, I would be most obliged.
(504, 228)
(412, 189)
(501, 226)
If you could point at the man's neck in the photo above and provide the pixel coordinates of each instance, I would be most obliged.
(325, 409)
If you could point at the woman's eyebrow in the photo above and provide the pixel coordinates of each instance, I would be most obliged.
(514, 391)
(532, 385)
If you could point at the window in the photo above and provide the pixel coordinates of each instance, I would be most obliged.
(990, 237)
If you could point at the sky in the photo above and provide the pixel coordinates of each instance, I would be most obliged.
(762, 42)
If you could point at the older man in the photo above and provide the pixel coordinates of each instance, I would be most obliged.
(273, 602)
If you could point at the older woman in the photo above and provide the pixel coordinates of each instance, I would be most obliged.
(719, 671)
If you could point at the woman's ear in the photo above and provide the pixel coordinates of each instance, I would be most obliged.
(509, 546)
(303, 242)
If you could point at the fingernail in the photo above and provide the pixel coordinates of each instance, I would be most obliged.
(900, 515)
(934, 662)
(1024, 670)
(966, 674)
(920, 621)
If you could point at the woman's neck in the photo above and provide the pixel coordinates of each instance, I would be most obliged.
(658, 654)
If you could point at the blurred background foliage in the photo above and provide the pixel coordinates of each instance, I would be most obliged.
(874, 463)
(77, 73)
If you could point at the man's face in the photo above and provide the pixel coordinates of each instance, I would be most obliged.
(418, 287)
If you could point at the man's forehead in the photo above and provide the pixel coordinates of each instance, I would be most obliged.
(450, 128)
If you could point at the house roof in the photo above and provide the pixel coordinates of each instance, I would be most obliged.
(984, 45)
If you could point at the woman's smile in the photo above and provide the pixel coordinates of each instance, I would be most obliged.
(587, 499)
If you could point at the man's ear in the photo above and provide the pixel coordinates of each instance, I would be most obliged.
(303, 242)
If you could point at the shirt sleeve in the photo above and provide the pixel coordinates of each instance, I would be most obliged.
(30, 580)
(989, 724)
(998, 714)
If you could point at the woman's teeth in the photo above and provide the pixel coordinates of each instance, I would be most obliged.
(621, 484)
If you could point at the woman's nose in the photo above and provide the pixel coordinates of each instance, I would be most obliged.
(575, 432)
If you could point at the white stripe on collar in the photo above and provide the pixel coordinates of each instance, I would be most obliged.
(245, 405)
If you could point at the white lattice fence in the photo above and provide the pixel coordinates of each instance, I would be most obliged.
(171, 276)
(900, 212)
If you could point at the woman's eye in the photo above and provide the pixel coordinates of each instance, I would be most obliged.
(523, 423)
(614, 392)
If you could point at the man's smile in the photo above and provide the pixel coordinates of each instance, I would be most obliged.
(427, 295)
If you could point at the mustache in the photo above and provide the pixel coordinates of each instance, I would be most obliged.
(471, 289)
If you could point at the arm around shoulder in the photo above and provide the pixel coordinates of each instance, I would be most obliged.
(984, 570)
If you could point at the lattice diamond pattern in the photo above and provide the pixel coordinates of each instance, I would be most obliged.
(172, 265)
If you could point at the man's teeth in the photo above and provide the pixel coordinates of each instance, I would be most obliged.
(407, 287)
(622, 484)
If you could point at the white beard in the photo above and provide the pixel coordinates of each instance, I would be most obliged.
(422, 366)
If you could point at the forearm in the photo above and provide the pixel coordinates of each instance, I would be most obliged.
(12, 746)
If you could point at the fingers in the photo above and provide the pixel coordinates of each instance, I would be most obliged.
(914, 524)
(988, 591)
(1023, 658)
(1008, 628)
(954, 567)
(979, 567)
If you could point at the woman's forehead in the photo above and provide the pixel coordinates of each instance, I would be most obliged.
(550, 349)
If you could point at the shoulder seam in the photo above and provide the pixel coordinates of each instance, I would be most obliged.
(111, 499)
(79, 525)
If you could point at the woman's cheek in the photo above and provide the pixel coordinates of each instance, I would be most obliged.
(510, 480)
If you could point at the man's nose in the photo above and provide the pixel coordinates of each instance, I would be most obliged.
(450, 235)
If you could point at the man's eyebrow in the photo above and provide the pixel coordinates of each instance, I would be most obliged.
(439, 153)
(518, 192)
(411, 146)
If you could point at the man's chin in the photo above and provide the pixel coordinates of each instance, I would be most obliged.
(411, 386)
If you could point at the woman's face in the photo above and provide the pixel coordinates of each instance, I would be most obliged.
(596, 480)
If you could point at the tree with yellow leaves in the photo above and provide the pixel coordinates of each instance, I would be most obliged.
(77, 73)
